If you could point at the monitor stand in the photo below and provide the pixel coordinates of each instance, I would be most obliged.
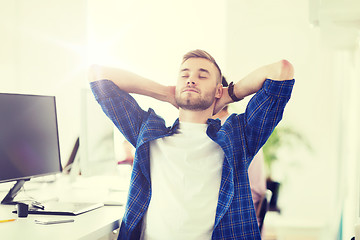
(9, 198)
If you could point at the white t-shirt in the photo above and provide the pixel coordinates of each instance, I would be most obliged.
(185, 173)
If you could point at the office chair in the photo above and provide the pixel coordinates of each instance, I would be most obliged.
(263, 208)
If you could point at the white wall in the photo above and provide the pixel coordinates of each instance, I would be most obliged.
(42, 51)
(349, 153)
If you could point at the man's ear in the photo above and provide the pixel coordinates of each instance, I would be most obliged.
(219, 91)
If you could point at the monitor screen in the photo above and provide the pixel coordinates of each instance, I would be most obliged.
(29, 142)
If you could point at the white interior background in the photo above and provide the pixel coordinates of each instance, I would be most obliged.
(46, 47)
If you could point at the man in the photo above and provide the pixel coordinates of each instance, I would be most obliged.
(190, 181)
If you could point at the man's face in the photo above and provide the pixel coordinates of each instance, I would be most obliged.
(197, 86)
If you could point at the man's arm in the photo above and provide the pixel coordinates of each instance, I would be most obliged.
(279, 71)
(132, 83)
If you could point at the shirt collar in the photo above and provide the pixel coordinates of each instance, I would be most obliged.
(214, 125)
(175, 126)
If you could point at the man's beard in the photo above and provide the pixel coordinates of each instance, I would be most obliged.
(195, 104)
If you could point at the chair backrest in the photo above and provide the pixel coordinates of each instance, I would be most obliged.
(263, 208)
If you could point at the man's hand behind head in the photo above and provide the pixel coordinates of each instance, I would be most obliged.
(171, 96)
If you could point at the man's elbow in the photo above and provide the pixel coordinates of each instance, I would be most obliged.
(286, 70)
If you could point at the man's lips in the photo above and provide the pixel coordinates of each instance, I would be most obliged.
(190, 90)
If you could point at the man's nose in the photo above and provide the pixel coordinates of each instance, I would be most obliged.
(191, 81)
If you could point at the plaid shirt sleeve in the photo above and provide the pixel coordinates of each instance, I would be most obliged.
(120, 107)
(264, 112)
(240, 137)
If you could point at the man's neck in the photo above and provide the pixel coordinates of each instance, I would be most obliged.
(195, 116)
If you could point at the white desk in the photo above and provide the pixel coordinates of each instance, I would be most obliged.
(91, 225)
(87, 226)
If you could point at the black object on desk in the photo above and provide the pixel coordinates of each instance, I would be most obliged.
(22, 209)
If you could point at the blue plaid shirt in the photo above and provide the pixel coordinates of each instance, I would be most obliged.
(240, 137)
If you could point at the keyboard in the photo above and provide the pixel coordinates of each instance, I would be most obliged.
(64, 208)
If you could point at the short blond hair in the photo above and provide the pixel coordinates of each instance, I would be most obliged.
(198, 53)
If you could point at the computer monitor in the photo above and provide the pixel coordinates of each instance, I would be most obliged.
(97, 149)
(29, 141)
